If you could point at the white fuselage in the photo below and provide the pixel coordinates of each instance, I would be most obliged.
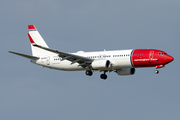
(119, 59)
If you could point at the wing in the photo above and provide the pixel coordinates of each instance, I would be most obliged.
(83, 61)
(23, 55)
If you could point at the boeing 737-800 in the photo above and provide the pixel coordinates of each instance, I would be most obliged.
(123, 62)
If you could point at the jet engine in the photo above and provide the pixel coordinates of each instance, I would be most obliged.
(101, 64)
(125, 71)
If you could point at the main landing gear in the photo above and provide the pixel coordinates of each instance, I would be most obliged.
(89, 72)
(103, 76)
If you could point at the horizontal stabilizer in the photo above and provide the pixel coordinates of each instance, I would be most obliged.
(23, 55)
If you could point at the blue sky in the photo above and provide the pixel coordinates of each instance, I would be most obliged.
(30, 92)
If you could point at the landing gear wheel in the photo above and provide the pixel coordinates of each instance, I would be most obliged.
(89, 72)
(103, 76)
(156, 71)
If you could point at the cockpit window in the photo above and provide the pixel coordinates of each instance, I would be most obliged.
(163, 53)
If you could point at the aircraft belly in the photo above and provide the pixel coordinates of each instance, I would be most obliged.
(122, 63)
(59, 65)
(67, 66)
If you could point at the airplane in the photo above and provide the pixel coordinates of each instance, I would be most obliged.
(123, 62)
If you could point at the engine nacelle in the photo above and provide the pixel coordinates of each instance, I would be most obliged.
(100, 64)
(125, 71)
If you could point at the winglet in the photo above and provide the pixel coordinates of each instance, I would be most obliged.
(31, 27)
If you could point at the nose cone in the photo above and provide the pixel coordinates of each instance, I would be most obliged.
(169, 59)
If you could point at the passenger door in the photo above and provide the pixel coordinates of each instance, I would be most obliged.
(151, 54)
(48, 60)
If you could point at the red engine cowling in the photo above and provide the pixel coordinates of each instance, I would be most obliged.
(125, 71)
(100, 64)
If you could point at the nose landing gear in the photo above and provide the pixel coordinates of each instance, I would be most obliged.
(158, 66)
(156, 71)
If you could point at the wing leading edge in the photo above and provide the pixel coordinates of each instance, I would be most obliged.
(83, 61)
